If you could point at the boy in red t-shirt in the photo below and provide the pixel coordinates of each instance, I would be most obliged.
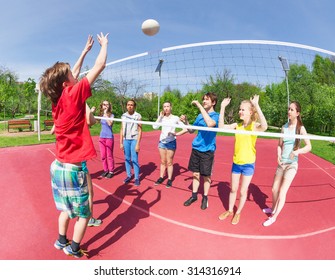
(71, 184)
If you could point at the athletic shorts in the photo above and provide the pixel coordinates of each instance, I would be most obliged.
(244, 169)
(201, 162)
(168, 146)
(69, 189)
(287, 170)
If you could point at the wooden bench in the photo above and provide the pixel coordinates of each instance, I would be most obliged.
(19, 124)
(48, 123)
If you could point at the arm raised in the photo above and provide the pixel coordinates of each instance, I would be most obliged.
(100, 62)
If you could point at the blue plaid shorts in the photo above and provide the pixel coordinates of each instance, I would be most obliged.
(69, 189)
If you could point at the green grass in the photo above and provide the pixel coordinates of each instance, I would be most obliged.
(10, 141)
(323, 149)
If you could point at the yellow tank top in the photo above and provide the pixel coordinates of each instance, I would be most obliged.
(245, 150)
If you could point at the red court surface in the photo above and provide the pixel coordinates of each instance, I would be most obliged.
(150, 222)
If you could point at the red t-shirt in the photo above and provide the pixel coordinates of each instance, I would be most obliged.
(73, 139)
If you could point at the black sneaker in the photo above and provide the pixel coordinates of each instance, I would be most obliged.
(127, 180)
(104, 174)
(77, 254)
(110, 175)
(204, 202)
(190, 201)
(169, 184)
(159, 181)
(61, 246)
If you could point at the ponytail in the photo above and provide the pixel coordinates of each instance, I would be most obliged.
(299, 125)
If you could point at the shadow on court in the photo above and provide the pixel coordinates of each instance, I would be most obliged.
(124, 222)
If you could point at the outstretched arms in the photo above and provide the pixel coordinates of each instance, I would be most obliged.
(263, 125)
(77, 67)
(225, 102)
(100, 61)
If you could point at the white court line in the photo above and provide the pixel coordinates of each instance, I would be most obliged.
(214, 232)
(318, 166)
(51, 151)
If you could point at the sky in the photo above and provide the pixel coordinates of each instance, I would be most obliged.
(36, 34)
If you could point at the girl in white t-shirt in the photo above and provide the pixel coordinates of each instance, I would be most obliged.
(167, 142)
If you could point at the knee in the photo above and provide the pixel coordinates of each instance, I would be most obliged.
(169, 163)
(275, 191)
(233, 190)
(243, 193)
(196, 176)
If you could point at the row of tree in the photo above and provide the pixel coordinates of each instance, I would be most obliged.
(15, 97)
(314, 89)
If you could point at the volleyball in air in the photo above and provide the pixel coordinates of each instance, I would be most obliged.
(150, 27)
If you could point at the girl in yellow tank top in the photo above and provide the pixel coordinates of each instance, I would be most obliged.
(244, 151)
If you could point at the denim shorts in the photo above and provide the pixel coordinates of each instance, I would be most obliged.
(168, 146)
(244, 169)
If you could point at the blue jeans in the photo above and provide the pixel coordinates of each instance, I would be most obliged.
(131, 157)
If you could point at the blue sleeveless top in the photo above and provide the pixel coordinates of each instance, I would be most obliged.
(288, 145)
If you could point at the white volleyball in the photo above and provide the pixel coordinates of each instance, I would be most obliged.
(150, 27)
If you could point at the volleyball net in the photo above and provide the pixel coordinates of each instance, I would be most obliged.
(187, 68)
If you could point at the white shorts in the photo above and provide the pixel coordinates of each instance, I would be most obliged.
(287, 170)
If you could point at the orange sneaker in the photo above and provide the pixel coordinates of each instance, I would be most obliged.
(225, 215)
(236, 219)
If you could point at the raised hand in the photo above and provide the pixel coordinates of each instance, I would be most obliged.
(89, 43)
(225, 102)
(254, 100)
(183, 119)
(102, 39)
(195, 102)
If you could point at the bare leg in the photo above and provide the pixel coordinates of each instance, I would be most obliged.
(169, 160)
(196, 182)
(235, 181)
(63, 223)
(244, 191)
(275, 190)
(207, 184)
(80, 229)
(163, 156)
(282, 197)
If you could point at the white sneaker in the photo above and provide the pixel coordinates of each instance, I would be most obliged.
(269, 221)
(267, 210)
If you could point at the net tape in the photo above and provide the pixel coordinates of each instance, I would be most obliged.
(230, 131)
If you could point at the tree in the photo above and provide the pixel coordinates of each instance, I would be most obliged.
(126, 88)
(324, 70)
(222, 84)
(9, 93)
(29, 93)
